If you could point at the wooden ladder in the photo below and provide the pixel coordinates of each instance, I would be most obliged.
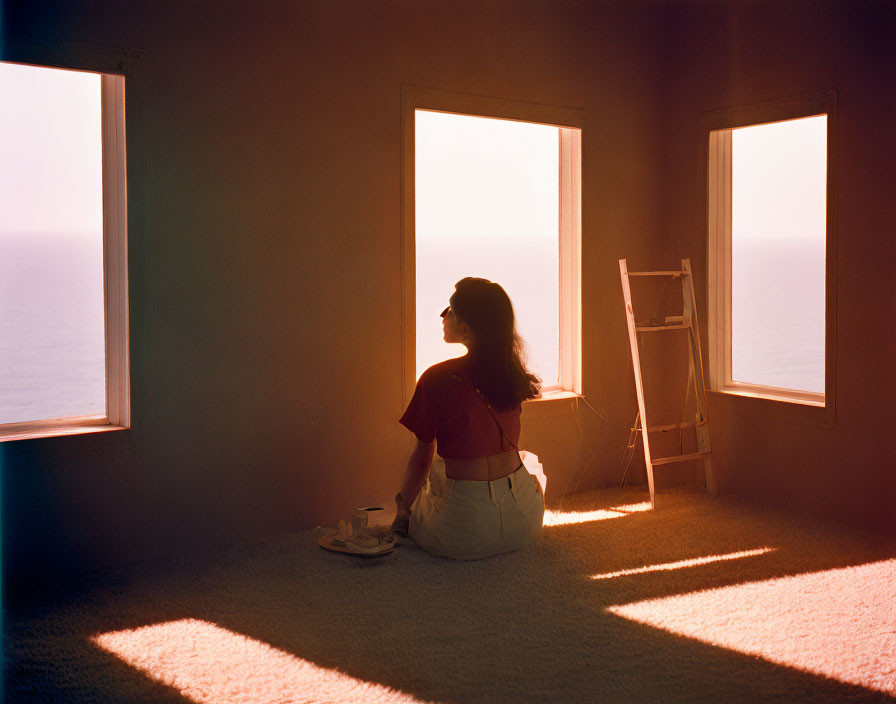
(687, 321)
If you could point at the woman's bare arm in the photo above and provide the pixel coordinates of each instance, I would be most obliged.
(416, 471)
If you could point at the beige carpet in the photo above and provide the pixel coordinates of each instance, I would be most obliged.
(701, 600)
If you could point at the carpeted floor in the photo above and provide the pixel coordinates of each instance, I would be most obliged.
(701, 600)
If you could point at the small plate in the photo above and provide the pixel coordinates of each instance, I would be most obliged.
(367, 546)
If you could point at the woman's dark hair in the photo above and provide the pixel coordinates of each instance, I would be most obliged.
(496, 365)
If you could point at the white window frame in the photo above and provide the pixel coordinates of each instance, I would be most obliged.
(570, 122)
(813, 407)
(115, 242)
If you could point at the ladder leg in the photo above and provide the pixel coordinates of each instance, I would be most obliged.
(636, 368)
(695, 355)
(703, 445)
(650, 485)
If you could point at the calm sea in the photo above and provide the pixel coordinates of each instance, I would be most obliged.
(778, 313)
(51, 326)
(52, 337)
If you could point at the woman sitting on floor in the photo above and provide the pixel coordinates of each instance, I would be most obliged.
(482, 501)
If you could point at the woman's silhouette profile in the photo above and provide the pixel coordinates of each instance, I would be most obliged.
(482, 501)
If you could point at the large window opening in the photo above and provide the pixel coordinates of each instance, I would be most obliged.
(778, 186)
(63, 282)
(770, 322)
(487, 198)
(499, 199)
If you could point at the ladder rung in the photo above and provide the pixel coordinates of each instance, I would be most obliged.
(651, 328)
(656, 273)
(677, 458)
(673, 426)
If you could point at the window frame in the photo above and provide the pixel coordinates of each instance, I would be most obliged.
(571, 123)
(115, 67)
(785, 404)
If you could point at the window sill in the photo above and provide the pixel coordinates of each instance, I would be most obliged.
(56, 428)
(804, 398)
(551, 403)
(554, 395)
(772, 407)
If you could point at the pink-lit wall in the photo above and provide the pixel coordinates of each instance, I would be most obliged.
(265, 271)
(266, 280)
(740, 53)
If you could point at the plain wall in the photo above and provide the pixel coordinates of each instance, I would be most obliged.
(265, 260)
(731, 54)
(266, 250)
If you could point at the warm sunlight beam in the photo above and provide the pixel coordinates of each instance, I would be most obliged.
(684, 563)
(211, 665)
(565, 518)
(840, 623)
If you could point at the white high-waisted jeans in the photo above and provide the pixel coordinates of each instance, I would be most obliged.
(470, 520)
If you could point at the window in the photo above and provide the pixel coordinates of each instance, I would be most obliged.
(771, 274)
(493, 189)
(63, 252)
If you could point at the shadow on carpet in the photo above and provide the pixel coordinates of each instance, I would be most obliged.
(701, 600)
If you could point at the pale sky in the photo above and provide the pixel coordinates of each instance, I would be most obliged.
(50, 150)
(477, 175)
(487, 205)
(779, 179)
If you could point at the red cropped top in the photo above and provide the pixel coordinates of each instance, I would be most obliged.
(446, 408)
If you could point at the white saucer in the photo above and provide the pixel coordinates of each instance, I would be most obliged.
(357, 546)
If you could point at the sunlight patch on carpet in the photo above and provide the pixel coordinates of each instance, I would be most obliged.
(693, 562)
(839, 623)
(565, 518)
(211, 665)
